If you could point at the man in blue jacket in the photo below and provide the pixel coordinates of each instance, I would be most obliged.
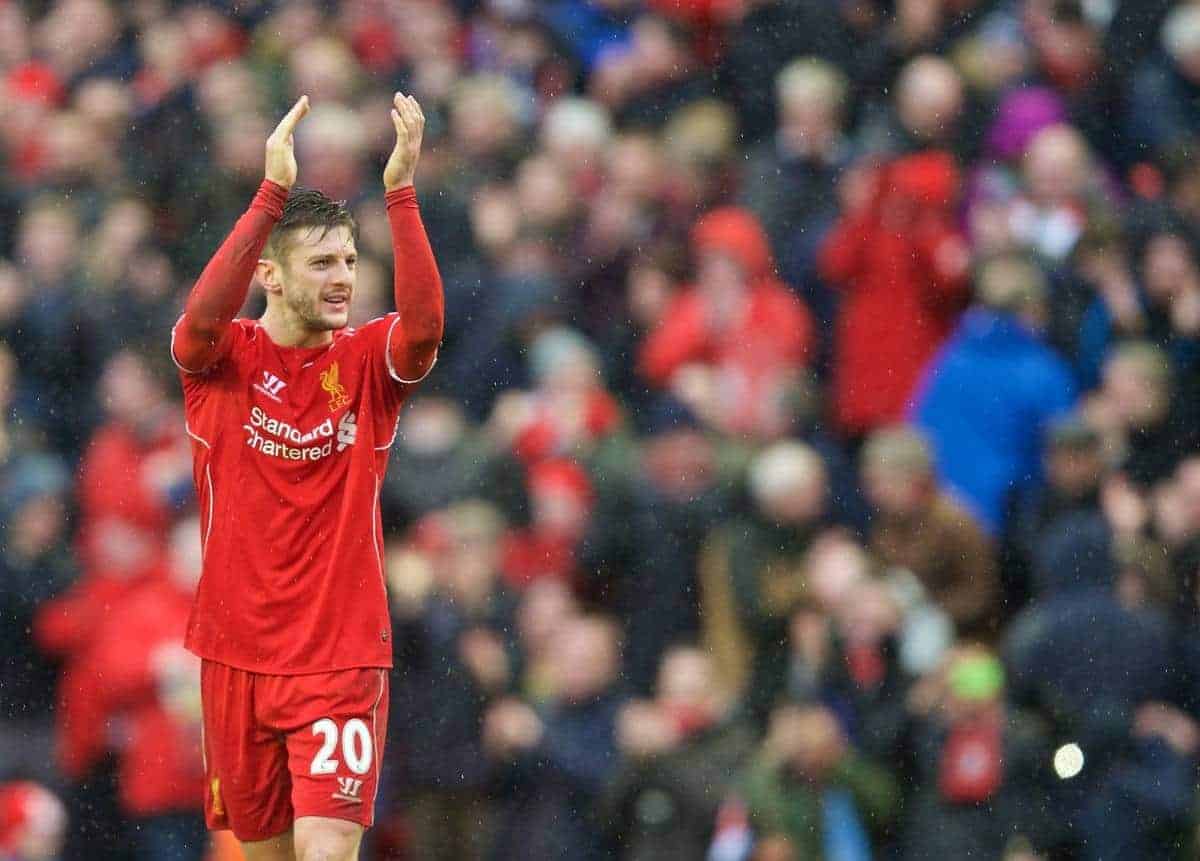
(988, 396)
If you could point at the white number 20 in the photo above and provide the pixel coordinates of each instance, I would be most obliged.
(356, 746)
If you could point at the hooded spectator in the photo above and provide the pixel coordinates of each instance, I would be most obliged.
(902, 268)
(725, 344)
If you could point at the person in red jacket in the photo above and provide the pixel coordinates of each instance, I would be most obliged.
(728, 345)
(902, 267)
(135, 473)
(562, 499)
(150, 687)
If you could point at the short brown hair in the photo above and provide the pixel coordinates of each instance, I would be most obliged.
(307, 208)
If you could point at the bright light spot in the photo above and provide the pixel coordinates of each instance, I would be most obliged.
(1068, 761)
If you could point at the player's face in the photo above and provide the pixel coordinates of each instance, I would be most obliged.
(318, 278)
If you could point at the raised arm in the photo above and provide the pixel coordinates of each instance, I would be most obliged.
(413, 339)
(201, 337)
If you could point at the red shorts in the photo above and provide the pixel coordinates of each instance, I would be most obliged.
(280, 747)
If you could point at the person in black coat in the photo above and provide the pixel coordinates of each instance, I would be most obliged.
(454, 655)
(1074, 468)
(550, 765)
(679, 754)
(656, 504)
(1116, 712)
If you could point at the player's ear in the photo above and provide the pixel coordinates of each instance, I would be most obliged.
(267, 272)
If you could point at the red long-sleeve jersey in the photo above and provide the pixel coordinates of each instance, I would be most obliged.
(290, 446)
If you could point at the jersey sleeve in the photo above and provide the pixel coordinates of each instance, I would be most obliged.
(203, 335)
(375, 338)
(415, 330)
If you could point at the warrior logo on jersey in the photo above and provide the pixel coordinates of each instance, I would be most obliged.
(337, 392)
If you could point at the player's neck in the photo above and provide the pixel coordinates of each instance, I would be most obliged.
(288, 330)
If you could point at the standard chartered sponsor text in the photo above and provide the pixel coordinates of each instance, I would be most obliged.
(261, 425)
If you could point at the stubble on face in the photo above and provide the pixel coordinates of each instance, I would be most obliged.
(303, 289)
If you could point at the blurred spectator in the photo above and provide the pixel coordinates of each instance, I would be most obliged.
(1160, 304)
(651, 75)
(1162, 110)
(927, 110)
(135, 473)
(56, 345)
(982, 771)
(32, 822)
(789, 178)
(568, 412)
(1062, 192)
(679, 753)
(438, 458)
(848, 656)
(919, 528)
(655, 505)
(725, 344)
(36, 564)
(556, 762)
(453, 623)
(770, 34)
(1099, 700)
(902, 266)
(1074, 469)
(546, 606)
(152, 688)
(1144, 429)
(1067, 41)
(986, 446)
(808, 785)
(764, 559)
(561, 501)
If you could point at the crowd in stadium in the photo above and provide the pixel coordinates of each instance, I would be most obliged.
(812, 464)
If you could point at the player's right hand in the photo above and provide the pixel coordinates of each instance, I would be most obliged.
(281, 154)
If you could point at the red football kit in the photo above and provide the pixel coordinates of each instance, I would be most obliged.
(290, 447)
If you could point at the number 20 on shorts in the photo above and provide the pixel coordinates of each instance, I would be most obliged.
(357, 748)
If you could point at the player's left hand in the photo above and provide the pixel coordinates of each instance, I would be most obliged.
(409, 121)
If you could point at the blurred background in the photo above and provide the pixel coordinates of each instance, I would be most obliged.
(811, 469)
